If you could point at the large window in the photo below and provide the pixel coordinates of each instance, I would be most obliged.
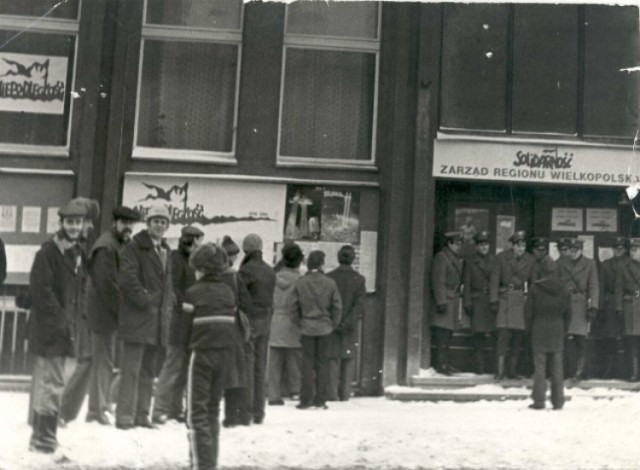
(328, 95)
(188, 85)
(37, 63)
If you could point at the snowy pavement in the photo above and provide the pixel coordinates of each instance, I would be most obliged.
(365, 433)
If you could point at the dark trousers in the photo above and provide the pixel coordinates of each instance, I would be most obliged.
(632, 348)
(340, 378)
(510, 341)
(540, 378)
(102, 353)
(284, 368)
(442, 344)
(315, 369)
(482, 341)
(206, 372)
(171, 383)
(575, 354)
(136, 382)
(256, 378)
(76, 389)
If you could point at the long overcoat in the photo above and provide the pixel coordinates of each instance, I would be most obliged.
(351, 285)
(477, 277)
(183, 276)
(607, 324)
(147, 293)
(260, 279)
(628, 295)
(509, 280)
(582, 282)
(549, 314)
(446, 283)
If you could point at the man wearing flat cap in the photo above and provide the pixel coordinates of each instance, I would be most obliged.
(609, 325)
(477, 274)
(103, 306)
(628, 305)
(55, 290)
(509, 283)
(582, 277)
(173, 376)
(145, 314)
(446, 285)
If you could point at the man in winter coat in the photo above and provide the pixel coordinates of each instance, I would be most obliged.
(609, 326)
(54, 284)
(628, 305)
(210, 331)
(548, 321)
(317, 308)
(145, 314)
(260, 279)
(173, 376)
(285, 349)
(351, 286)
(446, 282)
(507, 292)
(477, 274)
(78, 385)
(103, 306)
(582, 278)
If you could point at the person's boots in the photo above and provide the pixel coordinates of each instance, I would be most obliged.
(635, 369)
(445, 368)
(580, 368)
(500, 369)
(44, 437)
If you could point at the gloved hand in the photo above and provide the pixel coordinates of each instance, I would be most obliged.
(494, 307)
(442, 308)
(592, 313)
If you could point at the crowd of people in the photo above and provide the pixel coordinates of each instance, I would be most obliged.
(186, 321)
(523, 300)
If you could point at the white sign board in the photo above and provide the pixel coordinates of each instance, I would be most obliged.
(32, 83)
(566, 219)
(602, 220)
(534, 163)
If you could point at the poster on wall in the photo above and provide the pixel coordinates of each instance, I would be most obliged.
(566, 219)
(470, 221)
(32, 83)
(602, 220)
(505, 226)
(8, 218)
(588, 246)
(217, 207)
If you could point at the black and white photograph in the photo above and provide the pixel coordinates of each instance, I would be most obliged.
(319, 235)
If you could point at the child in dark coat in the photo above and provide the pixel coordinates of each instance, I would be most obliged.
(210, 307)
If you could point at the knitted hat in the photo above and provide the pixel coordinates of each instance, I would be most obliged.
(251, 243)
(93, 207)
(209, 259)
(346, 255)
(158, 210)
(230, 246)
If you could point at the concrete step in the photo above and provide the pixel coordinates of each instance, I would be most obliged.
(15, 383)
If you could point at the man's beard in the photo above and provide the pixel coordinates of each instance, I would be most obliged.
(124, 235)
(65, 236)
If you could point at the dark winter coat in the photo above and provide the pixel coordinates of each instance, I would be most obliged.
(543, 267)
(582, 281)
(607, 324)
(315, 304)
(550, 314)
(628, 295)
(351, 286)
(183, 277)
(147, 293)
(446, 281)
(285, 333)
(477, 276)
(260, 279)
(104, 291)
(55, 308)
(508, 282)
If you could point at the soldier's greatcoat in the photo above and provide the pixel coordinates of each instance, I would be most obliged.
(582, 282)
(477, 277)
(607, 324)
(628, 295)
(509, 280)
(446, 281)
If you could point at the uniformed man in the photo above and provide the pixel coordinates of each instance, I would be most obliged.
(628, 304)
(446, 281)
(582, 277)
(509, 283)
(477, 276)
(609, 325)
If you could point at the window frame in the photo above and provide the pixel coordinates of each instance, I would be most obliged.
(64, 27)
(174, 33)
(340, 44)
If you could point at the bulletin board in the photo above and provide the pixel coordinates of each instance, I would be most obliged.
(29, 216)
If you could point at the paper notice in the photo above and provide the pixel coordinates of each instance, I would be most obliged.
(8, 218)
(31, 216)
(52, 220)
(368, 258)
(588, 248)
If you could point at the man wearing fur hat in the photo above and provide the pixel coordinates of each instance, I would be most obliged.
(261, 282)
(145, 314)
(582, 278)
(628, 305)
(173, 376)
(55, 291)
(509, 283)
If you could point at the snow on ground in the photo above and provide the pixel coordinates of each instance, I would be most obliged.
(365, 433)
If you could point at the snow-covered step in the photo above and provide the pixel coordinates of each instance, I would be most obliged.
(466, 394)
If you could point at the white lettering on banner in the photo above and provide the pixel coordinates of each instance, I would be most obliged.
(512, 161)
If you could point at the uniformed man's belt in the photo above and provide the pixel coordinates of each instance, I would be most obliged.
(513, 287)
(213, 319)
(632, 294)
